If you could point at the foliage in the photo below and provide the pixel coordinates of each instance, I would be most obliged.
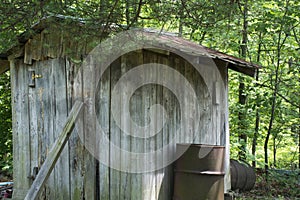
(271, 24)
(5, 125)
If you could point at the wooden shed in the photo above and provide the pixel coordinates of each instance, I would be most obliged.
(45, 72)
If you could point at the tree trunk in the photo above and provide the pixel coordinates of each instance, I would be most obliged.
(127, 13)
(274, 151)
(273, 104)
(257, 105)
(180, 27)
(242, 95)
(270, 126)
(241, 117)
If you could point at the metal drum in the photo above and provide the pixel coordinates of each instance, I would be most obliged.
(242, 176)
(199, 173)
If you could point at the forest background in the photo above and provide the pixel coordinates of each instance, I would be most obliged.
(264, 111)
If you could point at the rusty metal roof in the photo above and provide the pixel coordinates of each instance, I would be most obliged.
(165, 38)
(193, 49)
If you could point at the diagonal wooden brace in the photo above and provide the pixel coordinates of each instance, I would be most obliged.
(54, 153)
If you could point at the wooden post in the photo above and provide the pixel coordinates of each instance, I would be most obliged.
(54, 153)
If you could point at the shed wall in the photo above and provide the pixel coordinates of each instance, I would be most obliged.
(39, 113)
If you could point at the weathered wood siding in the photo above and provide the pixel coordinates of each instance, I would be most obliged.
(39, 114)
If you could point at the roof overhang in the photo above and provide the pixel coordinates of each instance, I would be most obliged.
(170, 39)
(4, 66)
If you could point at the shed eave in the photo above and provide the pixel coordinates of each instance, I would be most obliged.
(190, 48)
(250, 71)
(4, 65)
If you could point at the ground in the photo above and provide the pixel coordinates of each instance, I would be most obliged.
(281, 186)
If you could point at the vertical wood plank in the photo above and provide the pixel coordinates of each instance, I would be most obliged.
(44, 112)
(103, 117)
(225, 136)
(50, 115)
(27, 52)
(21, 136)
(34, 153)
(89, 166)
(115, 136)
(163, 176)
(125, 178)
(137, 110)
(76, 151)
(147, 97)
(60, 113)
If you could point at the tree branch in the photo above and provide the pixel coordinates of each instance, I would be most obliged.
(137, 14)
(282, 96)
